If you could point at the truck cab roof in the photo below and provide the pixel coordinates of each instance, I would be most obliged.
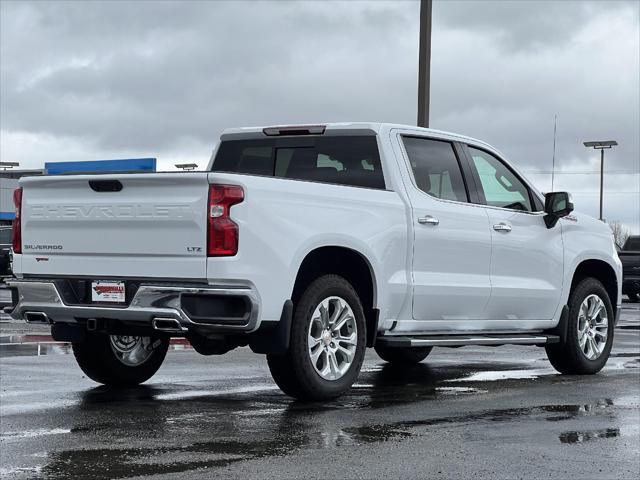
(334, 127)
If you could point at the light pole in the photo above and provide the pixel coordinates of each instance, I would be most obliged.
(601, 145)
(6, 165)
(424, 63)
(187, 167)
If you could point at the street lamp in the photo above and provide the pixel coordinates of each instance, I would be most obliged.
(187, 167)
(7, 165)
(601, 145)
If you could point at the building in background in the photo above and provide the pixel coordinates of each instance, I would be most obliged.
(8, 183)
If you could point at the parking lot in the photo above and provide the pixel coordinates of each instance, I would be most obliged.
(498, 412)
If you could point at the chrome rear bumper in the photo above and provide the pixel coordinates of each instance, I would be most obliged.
(152, 305)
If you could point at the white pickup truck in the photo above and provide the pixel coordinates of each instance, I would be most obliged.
(309, 244)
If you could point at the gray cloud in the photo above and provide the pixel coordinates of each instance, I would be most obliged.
(114, 79)
(528, 25)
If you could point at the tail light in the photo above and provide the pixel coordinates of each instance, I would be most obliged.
(16, 238)
(223, 234)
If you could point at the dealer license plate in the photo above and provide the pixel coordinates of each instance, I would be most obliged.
(107, 291)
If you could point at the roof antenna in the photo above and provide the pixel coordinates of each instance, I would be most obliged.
(553, 160)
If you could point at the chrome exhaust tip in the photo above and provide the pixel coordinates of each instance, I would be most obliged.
(36, 317)
(167, 325)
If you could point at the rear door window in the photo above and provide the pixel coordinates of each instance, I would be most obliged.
(436, 169)
(342, 160)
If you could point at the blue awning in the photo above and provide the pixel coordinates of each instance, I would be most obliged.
(129, 165)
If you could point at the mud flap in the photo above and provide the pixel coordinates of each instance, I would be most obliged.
(274, 339)
(561, 329)
(372, 328)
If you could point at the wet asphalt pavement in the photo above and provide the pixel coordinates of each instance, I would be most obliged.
(492, 412)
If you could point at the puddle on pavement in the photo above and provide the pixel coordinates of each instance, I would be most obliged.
(635, 363)
(213, 393)
(492, 376)
(133, 462)
(567, 412)
(375, 433)
(34, 433)
(459, 390)
(31, 471)
(580, 437)
(286, 428)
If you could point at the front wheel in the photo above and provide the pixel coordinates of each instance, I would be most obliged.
(589, 336)
(327, 342)
(120, 359)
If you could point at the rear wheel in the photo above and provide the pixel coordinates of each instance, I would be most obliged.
(120, 359)
(327, 342)
(405, 356)
(589, 331)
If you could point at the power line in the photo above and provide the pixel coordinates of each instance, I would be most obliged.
(585, 172)
(629, 192)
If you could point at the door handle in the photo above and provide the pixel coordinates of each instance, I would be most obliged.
(428, 220)
(502, 227)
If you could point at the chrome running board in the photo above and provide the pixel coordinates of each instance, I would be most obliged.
(464, 340)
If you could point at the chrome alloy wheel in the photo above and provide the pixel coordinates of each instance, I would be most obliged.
(593, 327)
(131, 351)
(332, 338)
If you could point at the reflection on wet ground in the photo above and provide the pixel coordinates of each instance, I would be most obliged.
(186, 420)
(579, 437)
(37, 345)
(250, 426)
(288, 431)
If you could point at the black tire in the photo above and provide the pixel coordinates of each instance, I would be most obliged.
(405, 356)
(633, 297)
(294, 372)
(97, 359)
(568, 357)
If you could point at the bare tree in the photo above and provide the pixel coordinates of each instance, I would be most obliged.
(620, 233)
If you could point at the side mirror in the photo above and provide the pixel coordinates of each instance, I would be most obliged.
(556, 205)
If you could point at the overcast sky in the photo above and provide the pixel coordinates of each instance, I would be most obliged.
(117, 79)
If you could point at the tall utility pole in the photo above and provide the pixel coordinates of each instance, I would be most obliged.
(601, 145)
(424, 63)
(553, 159)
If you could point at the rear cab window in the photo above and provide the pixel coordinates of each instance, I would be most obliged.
(436, 169)
(342, 160)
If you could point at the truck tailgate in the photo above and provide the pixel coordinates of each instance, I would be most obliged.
(127, 225)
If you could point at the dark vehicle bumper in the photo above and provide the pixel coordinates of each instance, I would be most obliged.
(4, 264)
(631, 285)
